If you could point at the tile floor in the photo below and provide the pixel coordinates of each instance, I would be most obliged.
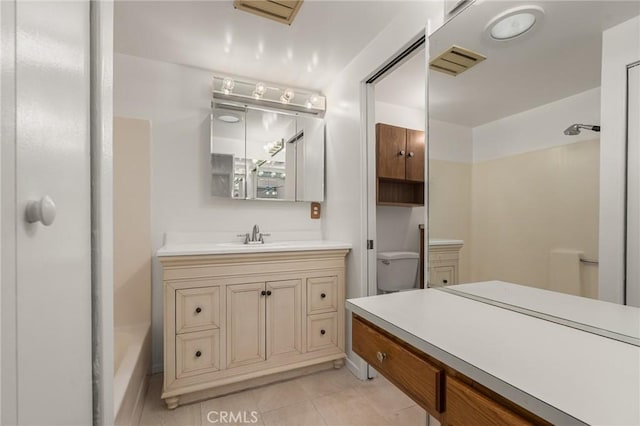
(333, 398)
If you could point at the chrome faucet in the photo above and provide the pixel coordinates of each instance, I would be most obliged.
(255, 237)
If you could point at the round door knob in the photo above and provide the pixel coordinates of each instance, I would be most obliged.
(323, 295)
(198, 310)
(401, 153)
(323, 332)
(381, 356)
(198, 354)
(268, 292)
(43, 211)
(411, 154)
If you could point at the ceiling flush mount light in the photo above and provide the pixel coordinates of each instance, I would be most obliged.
(227, 85)
(514, 22)
(260, 90)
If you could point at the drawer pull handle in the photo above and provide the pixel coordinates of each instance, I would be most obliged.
(444, 281)
(268, 292)
(198, 354)
(264, 293)
(322, 332)
(323, 295)
(198, 310)
(381, 356)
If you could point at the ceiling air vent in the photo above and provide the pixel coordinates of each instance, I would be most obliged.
(456, 60)
(281, 10)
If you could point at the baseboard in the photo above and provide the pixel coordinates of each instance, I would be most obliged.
(356, 368)
(157, 368)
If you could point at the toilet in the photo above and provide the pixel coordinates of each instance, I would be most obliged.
(397, 270)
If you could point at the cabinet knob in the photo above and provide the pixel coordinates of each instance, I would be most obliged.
(198, 354)
(411, 154)
(268, 292)
(401, 153)
(43, 210)
(198, 310)
(381, 356)
(263, 293)
(323, 332)
(323, 295)
(444, 281)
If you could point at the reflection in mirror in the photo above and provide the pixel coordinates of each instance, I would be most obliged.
(271, 139)
(310, 159)
(228, 170)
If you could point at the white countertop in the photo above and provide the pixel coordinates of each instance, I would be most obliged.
(608, 318)
(204, 248)
(560, 373)
(444, 242)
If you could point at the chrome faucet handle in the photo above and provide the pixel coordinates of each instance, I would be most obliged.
(261, 239)
(245, 236)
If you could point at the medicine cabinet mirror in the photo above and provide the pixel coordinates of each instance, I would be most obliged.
(261, 154)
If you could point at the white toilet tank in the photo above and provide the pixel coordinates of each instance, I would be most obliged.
(397, 270)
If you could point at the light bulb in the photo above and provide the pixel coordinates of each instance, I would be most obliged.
(287, 96)
(227, 85)
(260, 90)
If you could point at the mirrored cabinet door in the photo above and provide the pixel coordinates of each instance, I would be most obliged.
(228, 162)
(270, 155)
(310, 159)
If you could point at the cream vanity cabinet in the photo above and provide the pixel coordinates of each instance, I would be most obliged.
(233, 321)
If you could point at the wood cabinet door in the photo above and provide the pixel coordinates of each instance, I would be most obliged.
(391, 147)
(245, 324)
(284, 318)
(415, 156)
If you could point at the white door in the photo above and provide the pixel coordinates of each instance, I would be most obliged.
(633, 187)
(53, 262)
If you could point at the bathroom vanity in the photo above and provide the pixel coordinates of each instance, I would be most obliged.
(504, 366)
(238, 316)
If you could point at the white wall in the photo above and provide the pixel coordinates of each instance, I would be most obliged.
(537, 128)
(176, 100)
(620, 47)
(345, 206)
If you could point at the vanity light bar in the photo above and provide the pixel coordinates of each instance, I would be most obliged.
(262, 94)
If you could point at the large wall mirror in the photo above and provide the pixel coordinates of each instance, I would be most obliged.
(260, 154)
(523, 188)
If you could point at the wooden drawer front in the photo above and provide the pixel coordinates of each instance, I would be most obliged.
(322, 295)
(322, 331)
(442, 275)
(197, 353)
(197, 309)
(466, 406)
(415, 376)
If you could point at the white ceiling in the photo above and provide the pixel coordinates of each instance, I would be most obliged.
(560, 57)
(323, 39)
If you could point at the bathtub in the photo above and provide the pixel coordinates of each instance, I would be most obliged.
(132, 359)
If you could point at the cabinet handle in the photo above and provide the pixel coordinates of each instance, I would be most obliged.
(411, 154)
(323, 295)
(444, 281)
(322, 332)
(268, 292)
(401, 153)
(381, 356)
(198, 310)
(263, 293)
(198, 354)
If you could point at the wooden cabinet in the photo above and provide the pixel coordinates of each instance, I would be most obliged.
(237, 321)
(399, 165)
(443, 392)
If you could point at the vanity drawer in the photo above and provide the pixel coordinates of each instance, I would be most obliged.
(197, 353)
(467, 406)
(197, 309)
(322, 295)
(322, 331)
(414, 375)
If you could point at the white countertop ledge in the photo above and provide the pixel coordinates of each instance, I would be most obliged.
(195, 249)
(564, 375)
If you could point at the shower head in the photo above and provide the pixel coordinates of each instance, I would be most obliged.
(574, 129)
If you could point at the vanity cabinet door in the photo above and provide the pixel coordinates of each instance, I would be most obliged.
(391, 146)
(284, 318)
(415, 156)
(245, 324)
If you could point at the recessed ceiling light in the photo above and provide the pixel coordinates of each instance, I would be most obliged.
(228, 118)
(514, 22)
